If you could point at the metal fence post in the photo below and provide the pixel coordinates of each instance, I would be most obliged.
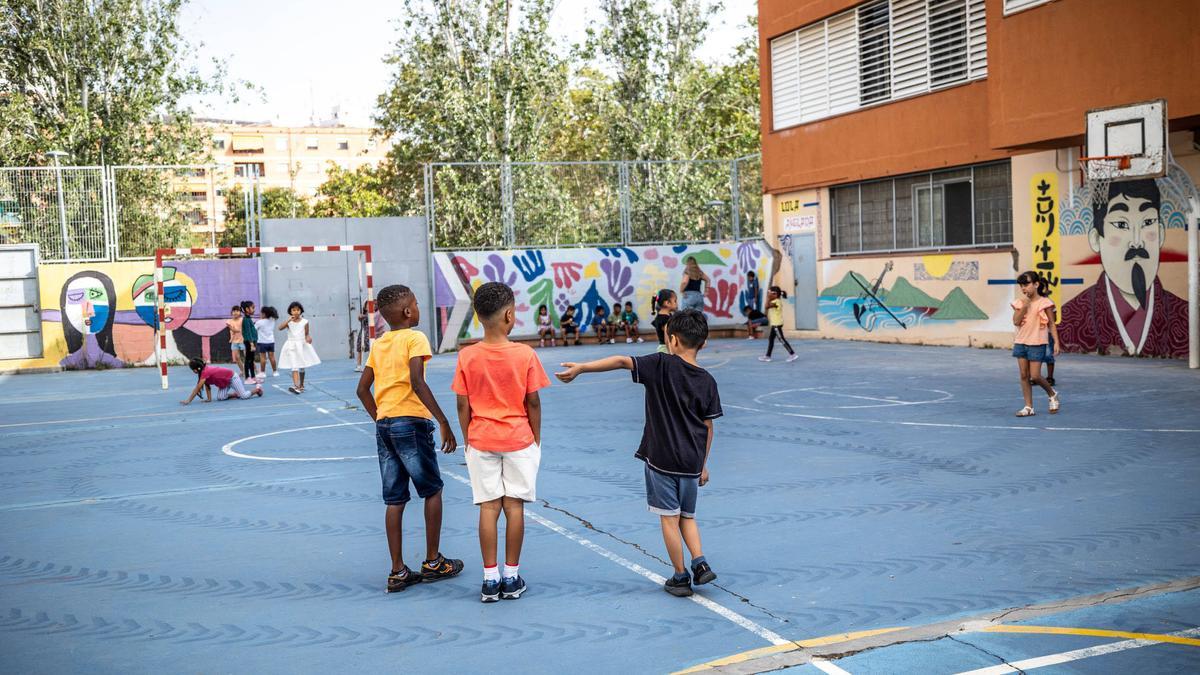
(625, 202)
(507, 218)
(428, 172)
(735, 216)
(62, 208)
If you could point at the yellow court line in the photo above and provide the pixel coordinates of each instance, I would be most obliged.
(1093, 632)
(791, 646)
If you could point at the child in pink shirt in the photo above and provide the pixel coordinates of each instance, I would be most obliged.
(1033, 315)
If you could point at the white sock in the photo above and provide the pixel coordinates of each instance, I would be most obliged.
(510, 571)
(491, 573)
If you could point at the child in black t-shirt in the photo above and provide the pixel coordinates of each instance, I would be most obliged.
(663, 304)
(681, 403)
(568, 325)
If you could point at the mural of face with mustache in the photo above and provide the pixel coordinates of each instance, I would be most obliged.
(1128, 235)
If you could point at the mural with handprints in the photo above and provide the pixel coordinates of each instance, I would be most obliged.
(586, 278)
(102, 315)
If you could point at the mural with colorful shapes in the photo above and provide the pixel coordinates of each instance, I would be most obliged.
(586, 278)
(101, 315)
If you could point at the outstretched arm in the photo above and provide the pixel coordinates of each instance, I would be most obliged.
(573, 370)
(195, 392)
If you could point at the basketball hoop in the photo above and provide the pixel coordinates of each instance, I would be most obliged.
(1099, 173)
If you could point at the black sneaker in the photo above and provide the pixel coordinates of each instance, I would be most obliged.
(442, 568)
(680, 589)
(702, 574)
(511, 588)
(490, 591)
(398, 581)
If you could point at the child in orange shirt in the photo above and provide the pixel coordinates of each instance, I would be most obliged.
(501, 416)
(1033, 315)
(402, 406)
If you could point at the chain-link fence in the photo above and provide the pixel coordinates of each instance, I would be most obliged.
(480, 205)
(63, 209)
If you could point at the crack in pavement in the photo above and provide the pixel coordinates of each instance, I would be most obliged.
(588, 524)
(1076, 604)
(994, 656)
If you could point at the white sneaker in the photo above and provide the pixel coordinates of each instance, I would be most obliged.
(793, 357)
(641, 340)
(275, 374)
(612, 341)
(628, 341)
(749, 337)
(358, 369)
(764, 359)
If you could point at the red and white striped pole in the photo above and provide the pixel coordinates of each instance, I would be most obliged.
(160, 337)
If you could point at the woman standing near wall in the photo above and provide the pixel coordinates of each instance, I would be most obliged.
(692, 286)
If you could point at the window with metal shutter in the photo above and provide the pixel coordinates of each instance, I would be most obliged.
(1011, 6)
(785, 81)
(874, 52)
(910, 48)
(947, 42)
(842, 45)
(977, 38)
(814, 81)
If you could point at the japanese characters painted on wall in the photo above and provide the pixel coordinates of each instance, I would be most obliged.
(1128, 309)
(587, 278)
(101, 315)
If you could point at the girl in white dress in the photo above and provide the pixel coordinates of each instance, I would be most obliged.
(297, 352)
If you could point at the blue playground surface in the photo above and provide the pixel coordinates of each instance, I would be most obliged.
(864, 487)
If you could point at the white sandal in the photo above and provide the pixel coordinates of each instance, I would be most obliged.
(1027, 411)
(1055, 403)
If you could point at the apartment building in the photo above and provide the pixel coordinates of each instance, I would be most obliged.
(919, 154)
(297, 158)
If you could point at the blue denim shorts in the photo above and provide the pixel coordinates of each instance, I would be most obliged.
(407, 452)
(669, 495)
(1049, 357)
(1029, 352)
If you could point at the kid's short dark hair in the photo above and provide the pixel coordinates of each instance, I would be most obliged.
(393, 295)
(235, 308)
(269, 312)
(246, 304)
(690, 326)
(628, 303)
(295, 304)
(195, 364)
(491, 299)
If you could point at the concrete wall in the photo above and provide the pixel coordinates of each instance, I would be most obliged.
(587, 277)
(329, 285)
(962, 297)
(101, 315)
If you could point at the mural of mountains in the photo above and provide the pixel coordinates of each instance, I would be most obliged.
(955, 306)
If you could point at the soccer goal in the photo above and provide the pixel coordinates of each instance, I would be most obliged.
(163, 254)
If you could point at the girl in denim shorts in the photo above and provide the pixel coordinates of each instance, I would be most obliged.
(1033, 316)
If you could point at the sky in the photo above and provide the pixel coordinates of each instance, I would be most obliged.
(308, 56)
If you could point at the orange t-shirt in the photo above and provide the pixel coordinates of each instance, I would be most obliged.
(496, 378)
(1035, 329)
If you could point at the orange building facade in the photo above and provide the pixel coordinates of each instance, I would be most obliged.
(913, 150)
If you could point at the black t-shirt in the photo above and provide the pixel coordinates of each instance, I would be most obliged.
(660, 323)
(755, 315)
(679, 398)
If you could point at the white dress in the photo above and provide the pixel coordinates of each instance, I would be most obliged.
(296, 352)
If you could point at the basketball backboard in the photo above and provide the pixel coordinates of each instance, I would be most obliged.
(1138, 130)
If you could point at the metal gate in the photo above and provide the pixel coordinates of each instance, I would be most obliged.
(20, 313)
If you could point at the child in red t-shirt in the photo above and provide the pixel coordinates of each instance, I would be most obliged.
(501, 416)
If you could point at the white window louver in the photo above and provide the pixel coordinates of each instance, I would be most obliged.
(1011, 6)
(879, 51)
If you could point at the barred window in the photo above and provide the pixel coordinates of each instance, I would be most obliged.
(963, 207)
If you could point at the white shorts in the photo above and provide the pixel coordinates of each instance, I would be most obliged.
(503, 474)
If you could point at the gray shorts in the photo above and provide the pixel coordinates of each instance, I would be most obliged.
(669, 495)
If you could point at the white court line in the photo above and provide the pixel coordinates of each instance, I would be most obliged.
(828, 667)
(726, 613)
(124, 417)
(228, 448)
(887, 402)
(1075, 655)
(830, 418)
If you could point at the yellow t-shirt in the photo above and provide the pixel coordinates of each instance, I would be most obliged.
(388, 360)
(775, 312)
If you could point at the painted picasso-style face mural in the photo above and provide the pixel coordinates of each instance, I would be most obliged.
(178, 296)
(87, 308)
(1127, 308)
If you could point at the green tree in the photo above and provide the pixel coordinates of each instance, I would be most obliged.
(277, 202)
(365, 192)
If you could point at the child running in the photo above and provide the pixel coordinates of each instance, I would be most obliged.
(402, 406)
(1033, 316)
(297, 353)
(237, 349)
(569, 326)
(775, 318)
(497, 383)
(545, 326)
(629, 321)
(249, 339)
(228, 383)
(663, 304)
(600, 324)
(681, 403)
(266, 340)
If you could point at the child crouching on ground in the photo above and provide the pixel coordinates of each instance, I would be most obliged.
(501, 416)
(402, 406)
(681, 404)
